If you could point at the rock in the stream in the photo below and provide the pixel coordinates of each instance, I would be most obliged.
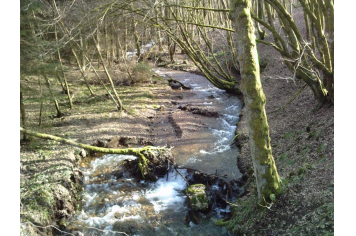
(197, 196)
(99, 143)
(175, 85)
(118, 174)
(122, 141)
(186, 86)
(200, 111)
(83, 153)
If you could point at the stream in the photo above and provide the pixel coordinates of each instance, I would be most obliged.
(114, 201)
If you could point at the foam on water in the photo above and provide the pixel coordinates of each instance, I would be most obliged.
(101, 163)
(194, 159)
(167, 193)
(105, 204)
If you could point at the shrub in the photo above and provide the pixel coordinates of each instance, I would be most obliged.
(141, 73)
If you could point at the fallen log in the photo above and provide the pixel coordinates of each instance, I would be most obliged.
(140, 153)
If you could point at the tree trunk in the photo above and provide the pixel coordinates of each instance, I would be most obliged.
(101, 81)
(59, 113)
(23, 116)
(137, 40)
(260, 14)
(120, 107)
(267, 178)
(65, 87)
(41, 106)
(83, 73)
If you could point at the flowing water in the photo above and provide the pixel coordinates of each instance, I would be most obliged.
(209, 148)
(115, 201)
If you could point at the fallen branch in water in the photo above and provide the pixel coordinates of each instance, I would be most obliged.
(176, 169)
(138, 152)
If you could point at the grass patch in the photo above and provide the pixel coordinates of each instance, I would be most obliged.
(244, 212)
(315, 134)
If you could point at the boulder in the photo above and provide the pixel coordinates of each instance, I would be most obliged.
(198, 199)
(175, 85)
(83, 153)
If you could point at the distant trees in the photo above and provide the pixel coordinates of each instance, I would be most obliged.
(51, 35)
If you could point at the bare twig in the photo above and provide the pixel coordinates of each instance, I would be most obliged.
(88, 227)
(106, 230)
(175, 168)
(48, 226)
(230, 203)
(291, 100)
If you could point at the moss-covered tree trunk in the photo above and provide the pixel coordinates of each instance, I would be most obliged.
(267, 178)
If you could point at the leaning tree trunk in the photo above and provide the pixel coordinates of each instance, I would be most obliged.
(267, 178)
(59, 113)
(65, 87)
(120, 107)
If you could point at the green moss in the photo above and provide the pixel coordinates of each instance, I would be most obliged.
(197, 196)
(142, 165)
(195, 188)
(221, 222)
(309, 166)
(315, 134)
(301, 171)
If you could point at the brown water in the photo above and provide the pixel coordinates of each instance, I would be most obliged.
(116, 202)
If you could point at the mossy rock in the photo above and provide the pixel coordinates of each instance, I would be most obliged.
(197, 196)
